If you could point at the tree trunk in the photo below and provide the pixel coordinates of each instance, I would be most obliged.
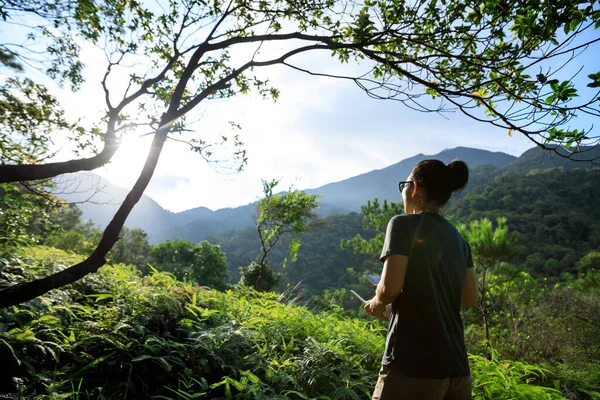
(485, 313)
(26, 291)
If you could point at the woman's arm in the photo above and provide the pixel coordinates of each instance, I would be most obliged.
(392, 279)
(470, 292)
(390, 285)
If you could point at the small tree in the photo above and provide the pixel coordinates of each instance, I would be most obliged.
(278, 215)
(489, 247)
(203, 263)
(132, 248)
(260, 277)
(375, 217)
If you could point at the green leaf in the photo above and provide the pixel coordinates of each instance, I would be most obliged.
(94, 363)
(48, 319)
(12, 351)
(102, 296)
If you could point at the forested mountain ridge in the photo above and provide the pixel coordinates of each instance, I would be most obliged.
(382, 184)
(554, 210)
(556, 229)
(338, 198)
(536, 158)
(160, 224)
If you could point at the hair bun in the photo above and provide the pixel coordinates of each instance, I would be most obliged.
(459, 174)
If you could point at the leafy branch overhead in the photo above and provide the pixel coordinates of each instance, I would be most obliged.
(498, 63)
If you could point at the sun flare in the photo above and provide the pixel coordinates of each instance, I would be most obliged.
(128, 161)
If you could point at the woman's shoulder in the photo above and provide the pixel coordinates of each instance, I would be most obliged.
(402, 217)
(415, 217)
(406, 219)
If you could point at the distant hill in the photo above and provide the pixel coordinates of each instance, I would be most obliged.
(351, 193)
(338, 197)
(100, 199)
(536, 158)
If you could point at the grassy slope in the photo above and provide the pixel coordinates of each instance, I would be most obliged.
(116, 335)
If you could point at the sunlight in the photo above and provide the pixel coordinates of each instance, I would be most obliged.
(128, 161)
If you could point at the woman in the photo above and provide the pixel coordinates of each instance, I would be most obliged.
(427, 277)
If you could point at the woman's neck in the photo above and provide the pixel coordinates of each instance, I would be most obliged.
(426, 208)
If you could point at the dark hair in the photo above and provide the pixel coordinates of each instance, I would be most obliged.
(440, 180)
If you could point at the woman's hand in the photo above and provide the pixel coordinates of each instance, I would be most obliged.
(375, 309)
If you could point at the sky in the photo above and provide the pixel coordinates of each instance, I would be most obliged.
(320, 130)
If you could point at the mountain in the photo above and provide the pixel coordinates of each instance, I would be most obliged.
(351, 193)
(338, 197)
(554, 211)
(100, 199)
(536, 158)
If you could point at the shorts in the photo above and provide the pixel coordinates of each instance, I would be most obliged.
(394, 385)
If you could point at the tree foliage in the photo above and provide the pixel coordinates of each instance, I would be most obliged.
(374, 217)
(321, 264)
(132, 248)
(489, 246)
(495, 62)
(203, 263)
(290, 213)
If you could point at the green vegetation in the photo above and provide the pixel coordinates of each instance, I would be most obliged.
(202, 264)
(279, 214)
(489, 246)
(117, 334)
(321, 265)
(554, 212)
(147, 326)
(135, 331)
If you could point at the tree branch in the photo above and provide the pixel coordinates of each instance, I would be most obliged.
(26, 291)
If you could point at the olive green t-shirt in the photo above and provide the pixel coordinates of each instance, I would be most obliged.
(425, 335)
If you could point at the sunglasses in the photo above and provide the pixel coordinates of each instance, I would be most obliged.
(403, 184)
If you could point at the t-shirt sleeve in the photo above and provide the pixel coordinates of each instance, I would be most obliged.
(397, 239)
(470, 263)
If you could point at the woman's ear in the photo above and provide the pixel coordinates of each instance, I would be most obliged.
(415, 189)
